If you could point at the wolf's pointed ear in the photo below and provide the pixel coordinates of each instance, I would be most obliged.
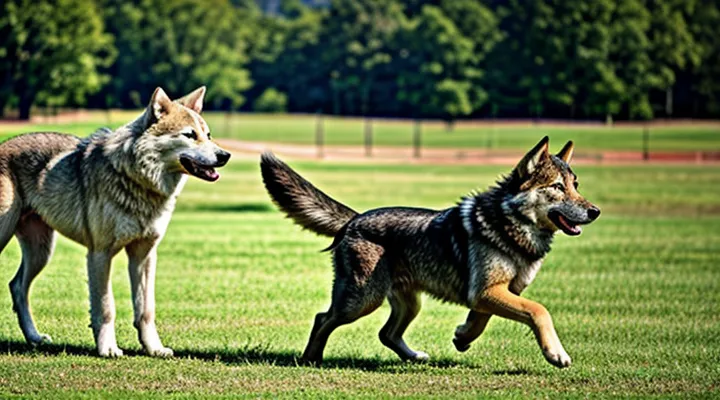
(194, 99)
(567, 152)
(159, 106)
(527, 165)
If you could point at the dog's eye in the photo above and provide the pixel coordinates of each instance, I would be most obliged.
(190, 135)
(559, 186)
(209, 136)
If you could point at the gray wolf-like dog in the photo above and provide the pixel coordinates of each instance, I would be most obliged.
(111, 191)
(481, 254)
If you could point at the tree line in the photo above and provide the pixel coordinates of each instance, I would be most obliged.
(449, 59)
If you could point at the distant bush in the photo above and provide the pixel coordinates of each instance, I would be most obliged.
(272, 101)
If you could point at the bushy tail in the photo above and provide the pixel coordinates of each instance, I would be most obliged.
(300, 200)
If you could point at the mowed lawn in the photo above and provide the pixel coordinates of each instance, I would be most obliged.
(635, 299)
(301, 129)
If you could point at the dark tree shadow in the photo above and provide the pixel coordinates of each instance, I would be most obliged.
(243, 356)
(232, 208)
(51, 349)
(257, 355)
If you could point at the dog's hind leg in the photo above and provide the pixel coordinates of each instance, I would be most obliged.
(102, 303)
(362, 280)
(37, 241)
(405, 307)
(326, 323)
(470, 330)
(142, 259)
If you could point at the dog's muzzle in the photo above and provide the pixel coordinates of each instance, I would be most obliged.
(204, 170)
(570, 225)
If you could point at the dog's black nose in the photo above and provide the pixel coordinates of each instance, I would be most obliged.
(593, 212)
(222, 157)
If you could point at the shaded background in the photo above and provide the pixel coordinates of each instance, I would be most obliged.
(598, 60)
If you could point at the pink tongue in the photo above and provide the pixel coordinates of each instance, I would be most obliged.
(570, 227)
(212, 174)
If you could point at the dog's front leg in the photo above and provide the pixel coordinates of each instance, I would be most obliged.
(470, 330)
(498, 300)
(102, 303)
(142, 258)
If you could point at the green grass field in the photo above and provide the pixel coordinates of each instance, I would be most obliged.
(635, 299)
(344, 131)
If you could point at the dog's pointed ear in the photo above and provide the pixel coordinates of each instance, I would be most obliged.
(194, 99)
(527, 165)
(158, 107)
(567, 152)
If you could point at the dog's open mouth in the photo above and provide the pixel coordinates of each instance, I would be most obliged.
(204, 172)
(568, 226)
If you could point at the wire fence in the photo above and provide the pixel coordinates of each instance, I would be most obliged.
(326, 136)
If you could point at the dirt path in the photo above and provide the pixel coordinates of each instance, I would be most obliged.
(457, 156)
(440, 156)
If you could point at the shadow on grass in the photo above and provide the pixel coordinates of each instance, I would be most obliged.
(249, 355)
(258, 355)
(18, 347)
(232, 208)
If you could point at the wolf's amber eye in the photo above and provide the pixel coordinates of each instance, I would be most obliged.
(190, 135)
(559, 186)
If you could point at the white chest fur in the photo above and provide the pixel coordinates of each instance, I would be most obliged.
(525, 274)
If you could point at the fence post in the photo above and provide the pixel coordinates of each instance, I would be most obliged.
(319, 135)
(368, 137)
(227, 123)
(492, 136)
(646, 143)
(417, 139)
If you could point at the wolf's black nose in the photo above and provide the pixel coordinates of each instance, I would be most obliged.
(593, 213)
(222, 157)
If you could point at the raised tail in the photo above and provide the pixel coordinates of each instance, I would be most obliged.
(305, 204)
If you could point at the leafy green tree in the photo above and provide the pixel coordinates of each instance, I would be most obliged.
(358, 38)
(287, 53)
(439, 67)
(271, 101)
(704, 23)
(672, 45)
(479, 24)
(179, 45)
(52, 51)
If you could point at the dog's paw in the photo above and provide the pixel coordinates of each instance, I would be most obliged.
(460, 345)
(162, 352)
(419, 356)
(110, 352)
(559, 358)
(40, 340)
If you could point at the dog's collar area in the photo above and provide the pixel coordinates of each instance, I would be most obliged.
(499, 226)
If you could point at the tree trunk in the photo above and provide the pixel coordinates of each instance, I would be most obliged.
(3, 103)
(336, 97)
(449, 125)
(25, 102)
